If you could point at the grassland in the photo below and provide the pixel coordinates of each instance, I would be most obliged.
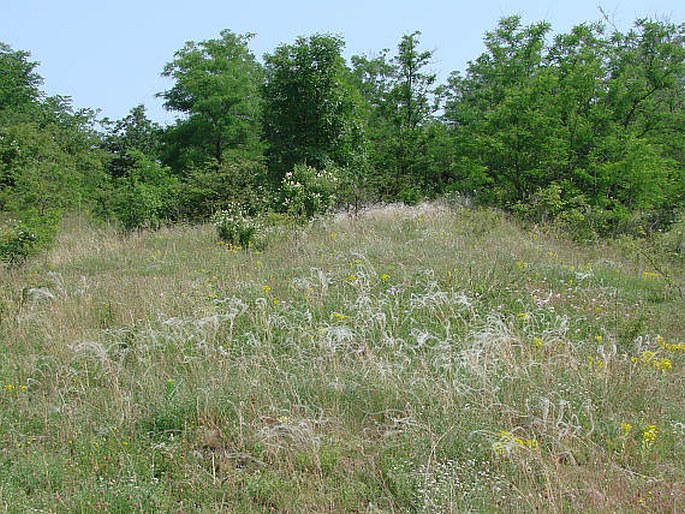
(409, 360)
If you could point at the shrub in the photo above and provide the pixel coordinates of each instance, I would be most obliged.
(145, 198)
(236, 228)
(308, 192)
(23, 238)
(213, 187)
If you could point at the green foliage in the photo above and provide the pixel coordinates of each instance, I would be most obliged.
(311, 113)
(591, 115)
(217, 89)
(307, 192)
(145, 198)
(237, 229)
(47, 155)
(135, 132)
(400, 99)
(27, 236)
(19, 82)
(213, 187)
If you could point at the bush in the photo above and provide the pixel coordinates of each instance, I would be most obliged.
(26, 237)
(216, 187)
(308, 192)
(145, 198)
(234, 227)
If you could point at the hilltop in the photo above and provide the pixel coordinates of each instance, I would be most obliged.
(429, 359)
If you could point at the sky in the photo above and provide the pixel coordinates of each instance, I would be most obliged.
(108, 55)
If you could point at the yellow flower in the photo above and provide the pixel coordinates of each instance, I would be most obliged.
(670, 347)
(384, 277)
(663, 364)
(9, 387)
(625, 428)
(499, 448)
(351, 278)
(649, 436)
(336, 316)
(538, 342)
(650, 359)
(599, 339)
(647, 356)
(266, 289)
(599, 363)
(284, 420)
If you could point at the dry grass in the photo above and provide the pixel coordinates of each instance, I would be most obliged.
(412, 359)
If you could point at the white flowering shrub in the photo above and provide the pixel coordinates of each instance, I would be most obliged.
(23, 238)
(234, 227)
(307, 192)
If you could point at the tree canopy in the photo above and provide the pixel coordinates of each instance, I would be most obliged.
(584, 127)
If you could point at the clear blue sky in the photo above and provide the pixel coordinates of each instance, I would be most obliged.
(109, 54)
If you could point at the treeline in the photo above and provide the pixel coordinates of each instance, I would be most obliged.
(584, 129)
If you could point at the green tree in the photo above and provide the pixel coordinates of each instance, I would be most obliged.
(504, 114)
(135, 132)
(47, 159)
(311, 113)
(401, 98)
(19, 81)
(217, 90)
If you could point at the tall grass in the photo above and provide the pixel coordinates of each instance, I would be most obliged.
(408, 360)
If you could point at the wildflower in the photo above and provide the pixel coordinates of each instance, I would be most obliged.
(670, 347)
(507, 443)
(384, 277)
(649, 436)
(352, 278)
(598, 363)
(522, 315)
(651, 274)
(663, 364)
(625, 428)
(23, 388)
(336, 316)
(521, 264)
(266, 289)
(499, 448)
(644, 499)
(284, 420)
(599, 339)
(538, 342)
(649, 358)
(9, 387)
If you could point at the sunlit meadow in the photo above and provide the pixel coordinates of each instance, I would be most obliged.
(411, 359)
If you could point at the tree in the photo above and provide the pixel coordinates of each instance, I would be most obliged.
(19, 82)
(504, 114)
(591, 123)
(135, 132)
(217, 89)
(400, 100)
(311, 114)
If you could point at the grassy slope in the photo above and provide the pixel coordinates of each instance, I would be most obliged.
(409, 360)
